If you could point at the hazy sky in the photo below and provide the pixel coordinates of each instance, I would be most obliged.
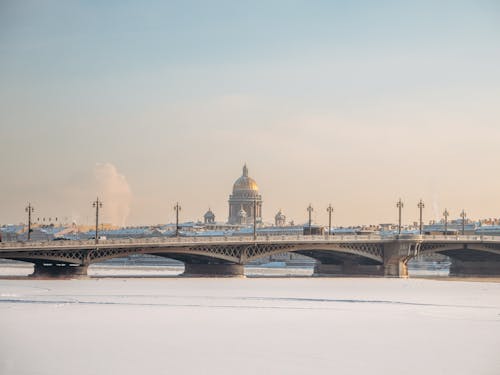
(147, 103)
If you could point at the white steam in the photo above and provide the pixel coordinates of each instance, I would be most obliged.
(115, 193)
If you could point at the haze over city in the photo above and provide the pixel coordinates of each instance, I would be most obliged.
(327, 102)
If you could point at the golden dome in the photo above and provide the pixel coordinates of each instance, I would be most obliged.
(245, 183)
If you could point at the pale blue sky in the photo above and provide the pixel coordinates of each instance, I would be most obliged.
(354, 103)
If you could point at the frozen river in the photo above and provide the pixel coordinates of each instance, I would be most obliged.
(249, 326)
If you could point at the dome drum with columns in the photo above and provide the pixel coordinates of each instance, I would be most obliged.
(243, 199)
(209, 217)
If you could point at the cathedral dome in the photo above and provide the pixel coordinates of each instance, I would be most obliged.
(245, 183)
(245, 202)
(209, 214)
(209, 217)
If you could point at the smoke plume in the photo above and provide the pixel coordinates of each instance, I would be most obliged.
(115, 193)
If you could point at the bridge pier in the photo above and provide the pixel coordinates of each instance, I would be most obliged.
(396, 268)
(59, 271)
(463, 268)
(348, 269)
(396, 257)
(213, 270)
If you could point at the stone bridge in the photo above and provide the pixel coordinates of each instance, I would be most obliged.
(371, 255)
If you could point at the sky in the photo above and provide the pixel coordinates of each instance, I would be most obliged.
(353, 103)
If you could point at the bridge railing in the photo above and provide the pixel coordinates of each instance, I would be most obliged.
(245, 239)
(194, 239)
(461, 238)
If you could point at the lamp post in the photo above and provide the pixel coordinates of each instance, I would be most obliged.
(330, 210)
(463, 215)
(177, 208)
(399, 205)
(254, 218)
(97, 204)
(421, 206)
(29, 209)
(446, 214)
(310, 210)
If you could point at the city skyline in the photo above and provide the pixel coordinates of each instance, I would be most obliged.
(117, 208)
(353, 105)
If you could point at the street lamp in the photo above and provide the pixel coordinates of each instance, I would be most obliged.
(463, 215)
(254, 218)
(177, 208)
(446, 214)
(97, 204)
(399, 205)
(310, 210)
(29, 209)
(330, 210)
(421, 206)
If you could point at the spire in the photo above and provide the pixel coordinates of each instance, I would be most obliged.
(245, 170)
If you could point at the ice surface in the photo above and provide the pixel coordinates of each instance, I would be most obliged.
(249, 326)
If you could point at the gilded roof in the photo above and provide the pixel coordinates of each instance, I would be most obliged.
(245, 182)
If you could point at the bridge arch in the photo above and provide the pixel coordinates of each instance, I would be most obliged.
(371, 252)
(166, 252)
(469, 258)
(465, 251)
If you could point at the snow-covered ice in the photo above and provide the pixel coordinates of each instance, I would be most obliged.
(249, 326)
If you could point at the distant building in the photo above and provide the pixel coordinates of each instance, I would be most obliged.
(243, 199)
(280, 219)
(11, 232)
(38, 234)
(209, 217)
(453, 227)
(488, 230)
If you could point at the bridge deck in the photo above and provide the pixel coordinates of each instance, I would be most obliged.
(233, 240)
(355, 255)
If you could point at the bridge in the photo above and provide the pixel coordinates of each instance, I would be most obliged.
(368, 255)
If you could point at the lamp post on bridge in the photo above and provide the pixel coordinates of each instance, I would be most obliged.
(310, 210)
(330, 210)
(463, 215)
(446, 214)
(399, 205)
(97, 204)
(254, 218)
(29, 209)
(177, 208)
(421, 206)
